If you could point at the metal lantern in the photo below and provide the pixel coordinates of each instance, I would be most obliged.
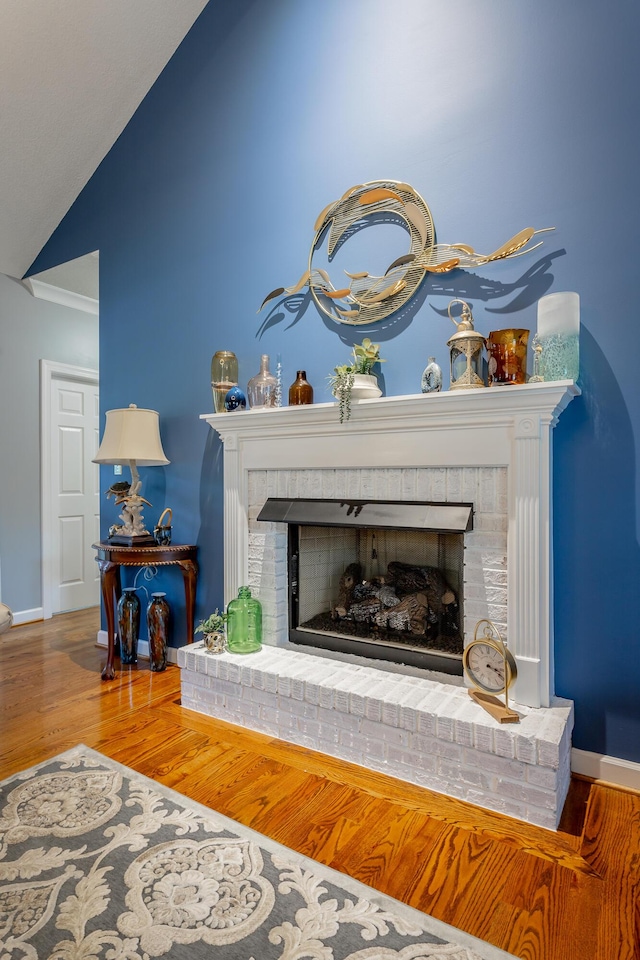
(466, 350)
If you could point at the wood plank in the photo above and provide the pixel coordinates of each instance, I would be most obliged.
(542, 895)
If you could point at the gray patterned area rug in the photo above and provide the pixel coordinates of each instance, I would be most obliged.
(100, 863)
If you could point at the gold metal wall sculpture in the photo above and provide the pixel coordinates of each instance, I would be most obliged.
(365, 298)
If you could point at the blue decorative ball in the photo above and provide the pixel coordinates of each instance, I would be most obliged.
(235, 400)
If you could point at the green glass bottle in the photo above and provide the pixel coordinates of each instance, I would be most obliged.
(244, 623)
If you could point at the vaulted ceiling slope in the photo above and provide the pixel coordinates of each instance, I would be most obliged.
(72, 73)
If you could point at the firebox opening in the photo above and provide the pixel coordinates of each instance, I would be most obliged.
(388, 594)
(381, 579)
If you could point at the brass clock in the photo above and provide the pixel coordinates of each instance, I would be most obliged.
(491, 668)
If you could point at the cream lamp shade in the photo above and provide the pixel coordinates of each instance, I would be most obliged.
(132, 433)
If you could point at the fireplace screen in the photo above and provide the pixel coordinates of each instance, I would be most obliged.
(379, 591)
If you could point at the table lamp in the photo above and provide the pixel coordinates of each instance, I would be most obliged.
(131, 434)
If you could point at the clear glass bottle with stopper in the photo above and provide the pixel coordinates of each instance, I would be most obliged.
(262, 390)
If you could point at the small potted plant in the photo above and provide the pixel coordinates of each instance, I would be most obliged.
(213, 628)
(355, 381)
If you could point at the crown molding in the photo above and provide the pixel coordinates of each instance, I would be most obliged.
(66, 298)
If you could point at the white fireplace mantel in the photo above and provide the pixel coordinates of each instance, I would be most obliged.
(498, 427)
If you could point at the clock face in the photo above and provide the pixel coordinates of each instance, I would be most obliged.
(485, 665)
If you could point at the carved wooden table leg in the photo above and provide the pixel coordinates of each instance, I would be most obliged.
(189, 570)
(110, 584)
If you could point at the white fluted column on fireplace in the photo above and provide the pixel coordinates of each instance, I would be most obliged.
(529, 570)
(493, 428)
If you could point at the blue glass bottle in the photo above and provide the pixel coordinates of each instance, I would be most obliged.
(235, 400)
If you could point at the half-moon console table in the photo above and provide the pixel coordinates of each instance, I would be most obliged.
(110, 557)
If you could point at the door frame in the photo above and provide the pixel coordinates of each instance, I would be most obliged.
(52, 370)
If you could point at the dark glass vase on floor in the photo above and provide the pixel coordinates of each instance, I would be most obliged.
(129, 625)
(158, 628)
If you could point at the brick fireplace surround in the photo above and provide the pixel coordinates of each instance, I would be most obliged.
(490, 447)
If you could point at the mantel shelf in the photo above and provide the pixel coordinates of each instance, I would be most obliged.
(491, 406)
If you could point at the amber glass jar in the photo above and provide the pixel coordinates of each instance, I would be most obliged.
(300, 390)
(507, 351)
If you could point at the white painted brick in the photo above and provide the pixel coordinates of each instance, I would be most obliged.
(351, 755)
(450, 770)
(342, 721)
(543, 777)
(500, 766)
(351, 739)
(454, 484)
(503, 742)
(271, 683)
(445, 726)
(325, 696)
(439, 748)
(439, 484)
(526, 794)
(410, 708)
(525, 749)
(489, 544)
(543, 818)
(260, 696)
(466, 723)
(301, 708)
(478, 610)
(310, 729)
(234, 672)
(500, 804)
(373, 749)
(486, 495)
(408, 489)
(401, 758)
(373, 702)
(221, 667)
(390, 710)
(390, 735)
(440, 785)
(249, 711)
(481, 591)
(469, 484)
(497, 522)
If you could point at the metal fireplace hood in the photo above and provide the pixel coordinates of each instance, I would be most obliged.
(405, 515)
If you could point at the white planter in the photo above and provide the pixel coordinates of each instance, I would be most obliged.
(365, 387)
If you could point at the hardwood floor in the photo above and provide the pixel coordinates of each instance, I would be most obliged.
(570, 895)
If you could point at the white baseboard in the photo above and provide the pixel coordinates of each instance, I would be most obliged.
(614, 770)
(143, 647)
(27, 616)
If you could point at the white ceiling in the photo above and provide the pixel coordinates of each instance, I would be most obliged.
(72, 73)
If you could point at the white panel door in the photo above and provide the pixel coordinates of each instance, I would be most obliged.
(75, 494)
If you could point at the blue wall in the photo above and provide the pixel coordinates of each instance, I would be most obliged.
(502, 115)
